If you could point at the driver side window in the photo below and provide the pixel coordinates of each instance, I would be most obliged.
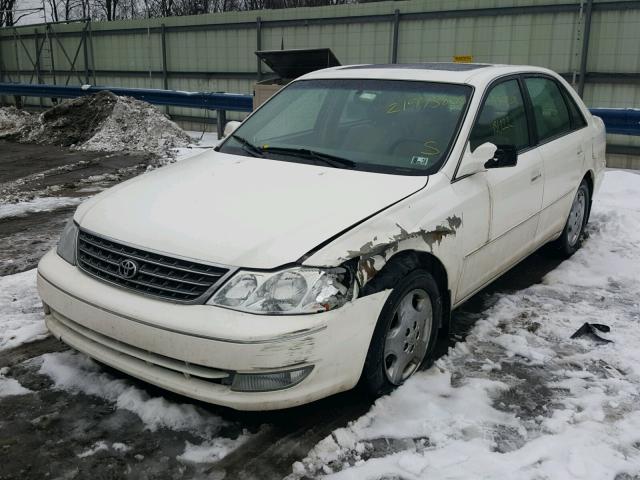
(502, 119)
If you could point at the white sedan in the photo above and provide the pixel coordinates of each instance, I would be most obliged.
(326, 240)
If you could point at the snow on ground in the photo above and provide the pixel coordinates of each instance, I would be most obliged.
(39, 204)
(519, 398)
(97, 447)
(102, 445)
(211, 451)
(21, 318)
(10, 386)
(76, 373)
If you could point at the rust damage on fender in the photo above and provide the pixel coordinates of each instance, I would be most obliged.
(373, 256)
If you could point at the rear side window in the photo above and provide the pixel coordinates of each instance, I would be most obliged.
(549, 107)
(577, 120)
(502, 119)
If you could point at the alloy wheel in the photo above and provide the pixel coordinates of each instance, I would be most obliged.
(408, 336)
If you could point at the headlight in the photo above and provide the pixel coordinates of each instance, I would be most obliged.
(292, 291)
(67, 243)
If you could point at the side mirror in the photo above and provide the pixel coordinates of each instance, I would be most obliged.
(474, 162)
(504, 156)
(231, 127)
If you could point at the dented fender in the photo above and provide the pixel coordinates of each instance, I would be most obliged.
(431, 221)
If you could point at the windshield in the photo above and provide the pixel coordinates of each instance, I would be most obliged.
(390, 126)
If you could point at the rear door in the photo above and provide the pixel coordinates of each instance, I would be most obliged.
(563, 142)
(516, 192)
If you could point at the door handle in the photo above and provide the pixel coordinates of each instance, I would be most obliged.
(536, 176)
(580, 151)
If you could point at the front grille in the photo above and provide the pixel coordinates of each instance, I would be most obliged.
(157, 275)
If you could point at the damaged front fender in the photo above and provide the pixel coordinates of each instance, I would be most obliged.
(422, 224)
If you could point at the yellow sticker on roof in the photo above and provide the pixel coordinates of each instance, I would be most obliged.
(463, 58)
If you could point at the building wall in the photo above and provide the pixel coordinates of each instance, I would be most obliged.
(215, 52)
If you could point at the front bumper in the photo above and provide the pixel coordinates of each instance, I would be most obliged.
(190, 349)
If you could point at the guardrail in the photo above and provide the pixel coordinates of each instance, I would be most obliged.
(220, 102)
(623, 121)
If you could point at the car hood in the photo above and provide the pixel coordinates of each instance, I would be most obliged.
(240, 211)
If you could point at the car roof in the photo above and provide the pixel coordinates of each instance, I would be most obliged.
(476, 74)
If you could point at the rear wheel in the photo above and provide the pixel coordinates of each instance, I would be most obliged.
(406, 331)
(572, 235)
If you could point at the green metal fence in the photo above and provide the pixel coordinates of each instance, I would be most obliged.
(595, 44)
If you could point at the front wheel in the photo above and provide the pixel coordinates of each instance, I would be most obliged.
(405, 334)
(572, 235)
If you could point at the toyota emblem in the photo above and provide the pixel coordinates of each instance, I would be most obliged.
(128, 268)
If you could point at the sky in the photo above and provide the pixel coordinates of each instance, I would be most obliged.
(35, 17)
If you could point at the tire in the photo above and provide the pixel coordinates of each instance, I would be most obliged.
(400, 337)
(572, 235)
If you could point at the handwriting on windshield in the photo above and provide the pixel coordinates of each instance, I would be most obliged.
(430, 148)
(421, 102)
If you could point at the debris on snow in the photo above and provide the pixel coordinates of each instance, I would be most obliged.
(593, 331)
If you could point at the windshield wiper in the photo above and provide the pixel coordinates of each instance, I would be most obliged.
(247, 146)
(327, 158)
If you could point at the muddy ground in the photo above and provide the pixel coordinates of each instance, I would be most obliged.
(44, 432)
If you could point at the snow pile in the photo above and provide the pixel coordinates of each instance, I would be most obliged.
(520, 399)
(14, 122)
(72, 122)
(138, 126)
(76, 373)
(20, 310)
(100, 122)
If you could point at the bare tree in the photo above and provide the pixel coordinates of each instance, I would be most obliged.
(11, 14)
(108, 10)
(6, 12)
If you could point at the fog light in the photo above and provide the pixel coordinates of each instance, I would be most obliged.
(264, 382)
